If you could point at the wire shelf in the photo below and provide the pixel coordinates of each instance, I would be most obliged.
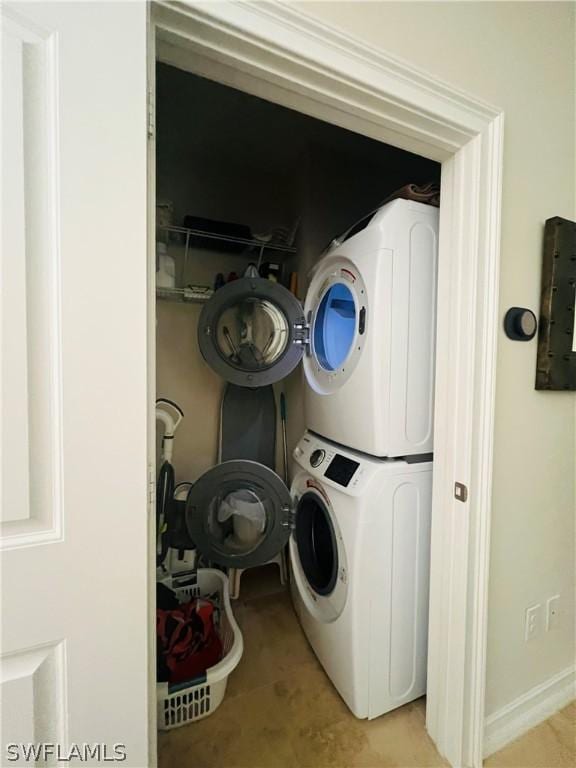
(198, 294)
(261, 245)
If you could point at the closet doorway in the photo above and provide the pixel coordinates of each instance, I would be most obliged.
(283, 57)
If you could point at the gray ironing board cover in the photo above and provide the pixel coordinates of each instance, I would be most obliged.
(248, 425)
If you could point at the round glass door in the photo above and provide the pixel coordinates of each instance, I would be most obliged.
(253, 333)
(316, 543)
(239, 514)
(335, 327)
(247, 332)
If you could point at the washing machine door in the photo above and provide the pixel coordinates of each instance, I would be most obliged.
(239, 514)
(252, 332)
(318, 555)
(336, 309)
(315, 539)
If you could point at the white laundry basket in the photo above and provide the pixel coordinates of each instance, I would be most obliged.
(183, 703)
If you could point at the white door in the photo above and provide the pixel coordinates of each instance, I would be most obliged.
(74, 470)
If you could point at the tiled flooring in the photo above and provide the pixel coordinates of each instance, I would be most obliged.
(552, 744)
(281, 711)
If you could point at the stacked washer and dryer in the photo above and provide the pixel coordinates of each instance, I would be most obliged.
(357, 516)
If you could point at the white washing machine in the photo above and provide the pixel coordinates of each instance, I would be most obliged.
(358, 530)
(366, 333)
(373, 642)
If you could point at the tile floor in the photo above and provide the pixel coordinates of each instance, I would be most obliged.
(281, 711)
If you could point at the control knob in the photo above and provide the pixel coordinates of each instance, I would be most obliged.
(317, 457)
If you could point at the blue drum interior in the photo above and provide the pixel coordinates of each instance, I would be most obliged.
(335, 327)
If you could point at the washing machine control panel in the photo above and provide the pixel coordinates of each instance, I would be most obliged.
(329, 463)
(341, 470)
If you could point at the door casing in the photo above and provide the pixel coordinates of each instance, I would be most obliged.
(281, 54)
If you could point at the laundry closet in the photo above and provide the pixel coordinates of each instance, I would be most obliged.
(251, 200)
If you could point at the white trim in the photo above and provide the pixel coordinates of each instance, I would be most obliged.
(151, 389)
(269, 42)
(529, 710)
(281, 54)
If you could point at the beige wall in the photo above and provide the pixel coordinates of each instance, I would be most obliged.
(520, 57)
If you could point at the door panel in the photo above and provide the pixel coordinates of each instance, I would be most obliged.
(239, 514)
(250, 332)
(31, 499)
(74, 479)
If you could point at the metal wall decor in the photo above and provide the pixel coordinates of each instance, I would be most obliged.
(556, 364)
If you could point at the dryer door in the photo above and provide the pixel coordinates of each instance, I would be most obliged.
(239, 514)
(252, 332)
(336, 308)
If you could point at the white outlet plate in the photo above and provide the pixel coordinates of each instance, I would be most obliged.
(533, 622)
(552, 612)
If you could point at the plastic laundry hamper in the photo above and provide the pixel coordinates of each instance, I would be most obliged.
(183, 703)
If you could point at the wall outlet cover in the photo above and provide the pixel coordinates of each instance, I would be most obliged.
(552, 612)
(533, 622)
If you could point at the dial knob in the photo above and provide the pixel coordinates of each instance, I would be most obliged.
(520, 324)
(317, 457)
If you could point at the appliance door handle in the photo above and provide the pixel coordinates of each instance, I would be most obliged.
(362, 321)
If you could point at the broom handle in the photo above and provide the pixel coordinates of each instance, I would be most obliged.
(284, 439)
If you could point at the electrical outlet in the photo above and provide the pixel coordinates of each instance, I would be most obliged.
(533, 622)
(552, 612)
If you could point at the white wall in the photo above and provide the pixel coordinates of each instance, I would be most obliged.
(520, 57)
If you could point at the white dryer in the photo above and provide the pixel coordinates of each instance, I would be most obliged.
(378, 396)
(366, 333)
(358, 530)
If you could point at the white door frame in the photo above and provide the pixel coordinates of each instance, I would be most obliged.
(280, 54)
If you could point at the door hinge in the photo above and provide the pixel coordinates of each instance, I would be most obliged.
(151, 113)
(289, 518)
(302, 333)
(151, 486)
(460, 492)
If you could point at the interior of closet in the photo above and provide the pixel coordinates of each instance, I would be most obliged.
(229, 157)
(245, 184)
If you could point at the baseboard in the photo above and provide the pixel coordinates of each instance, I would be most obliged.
(529, 710)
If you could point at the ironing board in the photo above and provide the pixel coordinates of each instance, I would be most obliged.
(248, 431)
(248, 425)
